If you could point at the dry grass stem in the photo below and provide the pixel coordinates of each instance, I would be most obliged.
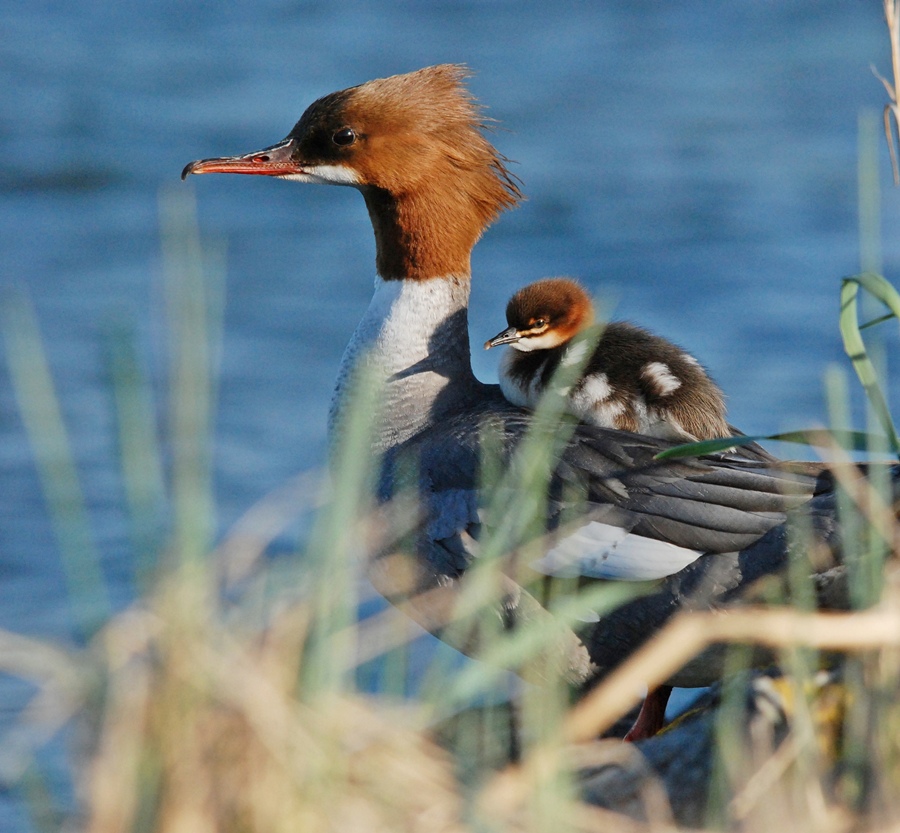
(209, 725)
(691, 633)
(892, 108)
(61, 689)
(242, 549)
(506, 795)
(871, 504)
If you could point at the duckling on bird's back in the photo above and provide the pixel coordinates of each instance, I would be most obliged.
(634, 380)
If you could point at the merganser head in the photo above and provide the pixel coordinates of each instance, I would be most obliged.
(413, 145)
(545, 314)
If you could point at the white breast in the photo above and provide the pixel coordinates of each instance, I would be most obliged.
(519, 390)
(414, 336)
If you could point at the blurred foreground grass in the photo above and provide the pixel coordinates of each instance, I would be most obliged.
(239, 694)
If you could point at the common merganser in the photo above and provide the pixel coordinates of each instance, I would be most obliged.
(634, 380)
(432, 183)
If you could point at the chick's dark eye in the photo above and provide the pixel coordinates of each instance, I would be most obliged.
(343, 137)
(541, 322)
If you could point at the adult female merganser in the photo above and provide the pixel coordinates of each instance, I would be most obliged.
(634, 380)
(412, 145)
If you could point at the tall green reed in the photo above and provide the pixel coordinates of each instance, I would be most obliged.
(43, 420)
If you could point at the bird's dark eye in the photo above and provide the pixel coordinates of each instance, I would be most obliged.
(343, 137)
(541, 322)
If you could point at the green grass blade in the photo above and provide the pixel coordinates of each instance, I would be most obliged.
(194, 308)
(519, 496)
(139, 450)
(880, 320)
(512, 649)
(43, 421)
(707, 447)
(855, 347)
(337, 541)
(816, 437)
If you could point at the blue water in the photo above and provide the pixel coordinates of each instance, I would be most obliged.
(694, 162)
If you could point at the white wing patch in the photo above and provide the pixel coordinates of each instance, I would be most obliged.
(661, 376)
(595, 388)
(589, 401)
(599, 550)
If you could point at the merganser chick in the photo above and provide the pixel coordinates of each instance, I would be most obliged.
(706, 527)
(634, 380)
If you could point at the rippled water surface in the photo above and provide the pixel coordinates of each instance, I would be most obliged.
(695, 163)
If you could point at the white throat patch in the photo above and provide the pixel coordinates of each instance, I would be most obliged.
(326, 175)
